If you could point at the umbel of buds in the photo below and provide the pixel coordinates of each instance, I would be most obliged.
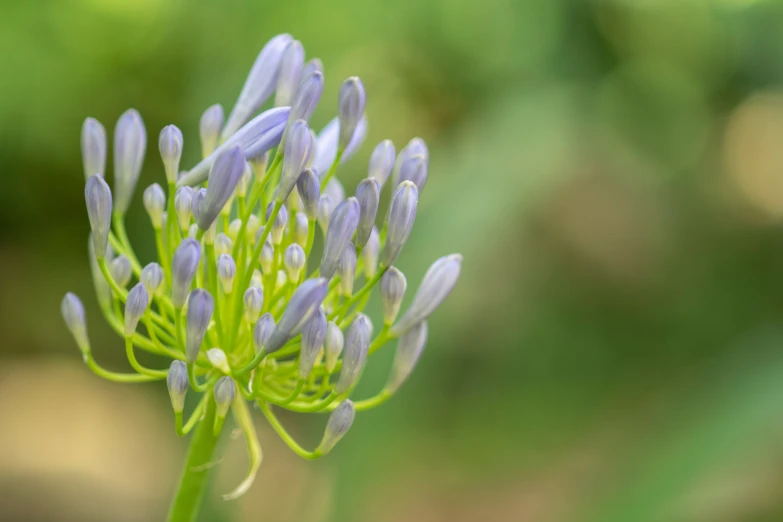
(242, 302)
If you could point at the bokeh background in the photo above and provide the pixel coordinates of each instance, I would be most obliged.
(612, 172)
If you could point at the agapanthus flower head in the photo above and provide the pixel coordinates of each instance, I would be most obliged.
(246, 301)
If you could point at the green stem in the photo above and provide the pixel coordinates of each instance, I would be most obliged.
(198, 462)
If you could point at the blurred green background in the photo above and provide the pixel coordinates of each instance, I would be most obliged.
(612, 172)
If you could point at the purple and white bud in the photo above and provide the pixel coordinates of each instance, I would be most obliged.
(402, 214)
(392, 288)
(209, 129)
(170, 146)
(342, 225)
(340, 421)
(97, 196)
(306, 299)
(259, 85)
(121, 271)
(223, 178)
(278, 226)
(313, 335)
(130, 144)
(254, 302)
(223, 245)
(325, 209)
(224, 392)
(370, 254)
(93, 148)
(307, 96)
(415, 147)
(326, 145)
(311, 66)
(409, 349)
(281, 280)
(334, 189)
(347, 270)
(263, 331)
(437, 284)
(193, 231)
(72, 311)
(183, 204)
(257, 279)
(333, 345)
(155, 203)
(301, 229)
(357, 343)
(226, 271)
(183, 268)
(135, 306)
(217, 358)
(381, 162)
(414, 169)
(152, 278)
(290, 73)
(294, 260)
(178, 383)
(309, 187)
(200, 307)
(350, 109)
(368, 193)
(298, 147)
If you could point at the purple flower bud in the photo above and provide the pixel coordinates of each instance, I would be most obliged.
(313, 336)
(121, 271)
(392, 289)
(309, 186)
(307, 96)
(409, 349)
(183, 268)
(298, 147)
(155, 203)
(93, 148)
(333, 345)
(414, 169)
(209, 128)
(437, 284)
(326, 146)
(340, 421)
(170, 146)
(223, 178)
(224, 392)
(325, 209)
(342, 225)
(415, 147)
(97, 195)
(223, 245)
(334, 189)
(402, 214)
(152, 278)
(183, 203)
(200, 308)
(290, 73)
(370, 254)
(368, 193)
(135, 306)
(347, 270)
(254, 302)
(263, 331)
(294, 260)
(306, 299)
(301, 229)
(226, 271)
(357, 343)
(260, 83)
(311, 66)
(267, 256)
(381, 162)
(72, 311)
(178, 383)
(350, 109)
(130, 144)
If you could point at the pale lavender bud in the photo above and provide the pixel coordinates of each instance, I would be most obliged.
(226, 271)
(368, 193)
(307, 96)
(209, 129)
(393, 285)
(325, 209)
(278, 226)
(223, 178)
(402, 214)
(301, 229)
(415, 147)
(309, 186)
(130, 144)
(306, 299)
(257, 279)
(381, 162)
(183, 204)
(217, 358)
(152, 278)
(334, 189)
(121, 271)
(313, 335)
(294, 260)
(326, 146)
(347, 270)
(370, 254)
(254, 302)
(258, 164)
(409, 349)
(267, 257)
(311, 66)
(135, 306)
(340, 421)
(193, 231)
(298, 147)
(437, 284)
(263, 331)
(290, 73)
(223, 245)
(260, 83)
(97, 196)
(281, 280)
(224, 392)
(200, 308)
(93, 148)
(414, 169)
(170, 146)
(178, 383)
(183, 268)
(357, 343)
(155, 203)
(342, 225)
(333, 345)
(72, 311)
(350, 109)
(252, 227)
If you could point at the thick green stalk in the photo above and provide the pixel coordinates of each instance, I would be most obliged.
(198, 463)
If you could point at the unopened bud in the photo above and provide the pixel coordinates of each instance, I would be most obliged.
(183, 200)
(183, 268)
(170, 146)
(135, 306)
(97, 195)
(306, 299)
(155, 203)
(294, 260)
(226, 270)
(121, 271)
(381, 162)
(342, 225)
(72, 311)
(368, 193)
(217, 358)
(347, 270)
(325, 209)
(298, 147)
(301, 229)
(93, 148)
(178, 384)
(263, 331)
(200, 308)
(370, 254)
(254, 302)
(402, 214)
(152, 278)
(223, 178)
(313, 335)
(309, 187)
(392, 289)
(233, 228)
(311, 66)
(350, 109)
(267, 257)
(130, 144)
(224, 392)
(223, 245)
(333, 345)
(414, 169)
(290, 73)
(278, 226)
(209, 128)
(307, 96)
(357, 343)
(340, 421)
(409, 349)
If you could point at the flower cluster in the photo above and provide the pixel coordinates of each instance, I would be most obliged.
(236, 299)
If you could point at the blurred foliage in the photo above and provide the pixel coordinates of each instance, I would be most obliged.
(612, 172)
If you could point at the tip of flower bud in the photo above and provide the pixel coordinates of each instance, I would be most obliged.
(73, 314)
(170, 147)
(135, 307)
(224, 392)
(178, 384)
(340, 421)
